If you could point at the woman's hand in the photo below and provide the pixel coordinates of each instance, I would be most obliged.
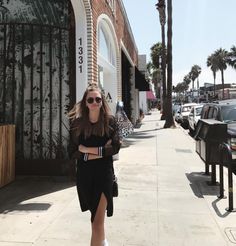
(93, 157)
(108, 142)
(83, 148)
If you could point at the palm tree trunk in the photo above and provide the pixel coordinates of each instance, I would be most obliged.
(169, 115)
(197, 89)
(223, 84)
(163, 61)
(192, 89)
(214, 75)
(163, 68)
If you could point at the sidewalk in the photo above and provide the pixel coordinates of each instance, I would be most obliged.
(163, 200)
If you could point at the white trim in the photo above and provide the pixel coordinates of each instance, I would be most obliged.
(91, 69)
(84, 45)
(111, 70)
(81, 49)
(118, 54)
(110, 24)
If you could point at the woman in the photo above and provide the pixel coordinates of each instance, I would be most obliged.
(95, 136)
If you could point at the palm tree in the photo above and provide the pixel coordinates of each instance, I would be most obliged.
(232, 57)
(156, 53)
(149, 67)
(221, 56)
(181, 88)
(161, 7)
(212, 63)
(194, 74)
(169, 116)
(155, 71)
(187, 79)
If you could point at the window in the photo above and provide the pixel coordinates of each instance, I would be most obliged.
(107, 59)
(191, 112)
(228, 113)
(210, 113)
(105, 46)
(204, 112)
(215, 114)
(198, 111)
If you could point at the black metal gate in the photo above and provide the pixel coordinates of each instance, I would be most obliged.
(34, 88)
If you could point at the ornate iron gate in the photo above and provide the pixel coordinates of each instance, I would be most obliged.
(34, 88)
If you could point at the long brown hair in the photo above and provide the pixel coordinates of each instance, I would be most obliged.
(79, 115)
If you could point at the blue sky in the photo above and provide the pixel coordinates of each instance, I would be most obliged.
(199, 28)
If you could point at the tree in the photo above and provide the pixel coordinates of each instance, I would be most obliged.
(156, 53)
(232, 57)
(169, 115)
(181, 88)
(212, 63)
(167, 88)
(150, 67)
(222, 56)
(187, 79)
(153, 67)
(194, 74)
(161, 7)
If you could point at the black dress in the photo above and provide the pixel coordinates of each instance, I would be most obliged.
(95, 177)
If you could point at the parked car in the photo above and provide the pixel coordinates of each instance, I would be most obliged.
(224, 111)
(182, 114)
(194, 116)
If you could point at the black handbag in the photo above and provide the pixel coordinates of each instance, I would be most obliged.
(115, 187)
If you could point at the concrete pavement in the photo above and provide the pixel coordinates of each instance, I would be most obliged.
(163, 200)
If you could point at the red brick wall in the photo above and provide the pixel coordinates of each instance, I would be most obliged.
(102, 7)
(124, 35)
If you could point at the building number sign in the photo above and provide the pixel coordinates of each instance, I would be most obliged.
(80, 55)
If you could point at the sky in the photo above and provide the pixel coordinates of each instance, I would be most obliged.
(199, 28)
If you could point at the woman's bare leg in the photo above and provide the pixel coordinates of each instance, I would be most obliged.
(98, 230)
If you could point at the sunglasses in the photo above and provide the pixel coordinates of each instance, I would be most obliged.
(91, 100)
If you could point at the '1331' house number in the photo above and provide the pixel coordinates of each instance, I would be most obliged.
(80, 57)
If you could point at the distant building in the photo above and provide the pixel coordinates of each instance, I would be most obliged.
(207, 92)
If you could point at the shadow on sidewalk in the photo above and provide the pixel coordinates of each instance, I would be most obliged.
(214, 205)
(150, 130)
(14, 197)
(135, 136)
(198, 183)
(200, 188)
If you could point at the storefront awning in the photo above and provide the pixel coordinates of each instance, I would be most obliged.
(140, 82)
(150, 95)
